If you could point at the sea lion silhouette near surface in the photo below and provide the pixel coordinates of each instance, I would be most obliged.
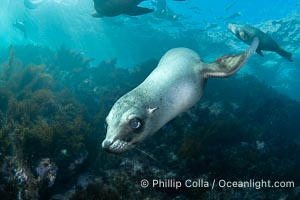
(33, 4)
(246, 34)
(21, 26)
(112, 8)
(174, 86)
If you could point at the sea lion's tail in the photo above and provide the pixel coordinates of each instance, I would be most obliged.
(285, 54)
(228, 65)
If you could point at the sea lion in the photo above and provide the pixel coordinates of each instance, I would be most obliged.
(174, 86)
(21, 26)
(246, 34)
(233, 16)
(33, 4)
(112, 8)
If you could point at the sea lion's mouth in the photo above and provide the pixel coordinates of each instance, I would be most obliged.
(116, 147)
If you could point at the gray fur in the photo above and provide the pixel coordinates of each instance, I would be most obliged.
(175, 85)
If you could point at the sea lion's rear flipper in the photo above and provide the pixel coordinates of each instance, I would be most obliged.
(285, 54)
(228, 65)
(96, 15)
(258, 51)
(137, 2)
(135, 11)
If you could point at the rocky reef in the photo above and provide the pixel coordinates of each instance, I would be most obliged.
(52, 109)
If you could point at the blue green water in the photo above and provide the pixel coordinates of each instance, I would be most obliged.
(59, 81)
(196, 24)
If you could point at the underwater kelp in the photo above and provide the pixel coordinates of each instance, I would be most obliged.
(34, 54)
(39, 119)
(70, 60)
(9, 66)
(51, 125)
(96, 191)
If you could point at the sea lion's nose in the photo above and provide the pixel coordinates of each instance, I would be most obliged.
(231, 27)
(106, 144)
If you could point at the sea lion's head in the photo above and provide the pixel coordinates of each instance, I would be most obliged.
(232, 28)
(240, 32)
(128, 124)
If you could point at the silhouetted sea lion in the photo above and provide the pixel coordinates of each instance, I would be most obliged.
(33, 4)
(21, 26)
(248, 33)
(112, 8)
(174, 86)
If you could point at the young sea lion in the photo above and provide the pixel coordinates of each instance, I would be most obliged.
(175, 85)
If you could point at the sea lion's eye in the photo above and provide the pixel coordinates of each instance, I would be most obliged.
(135, 123)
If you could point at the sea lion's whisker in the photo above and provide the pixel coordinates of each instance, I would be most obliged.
(145, 153)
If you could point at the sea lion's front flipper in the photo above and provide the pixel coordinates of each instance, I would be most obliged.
(258, 51)
(228, 65)
(135, 11)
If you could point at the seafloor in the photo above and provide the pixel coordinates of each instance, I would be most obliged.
(52, 108)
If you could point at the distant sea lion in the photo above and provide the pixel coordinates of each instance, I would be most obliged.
(33, 4)
(112, 8)
(233, 16)
(246, 34)
(21, 26)
(174, 86)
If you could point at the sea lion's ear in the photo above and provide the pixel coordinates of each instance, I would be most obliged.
(244, 36)
(152, 110)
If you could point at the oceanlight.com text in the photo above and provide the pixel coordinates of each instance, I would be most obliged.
(201, 183)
